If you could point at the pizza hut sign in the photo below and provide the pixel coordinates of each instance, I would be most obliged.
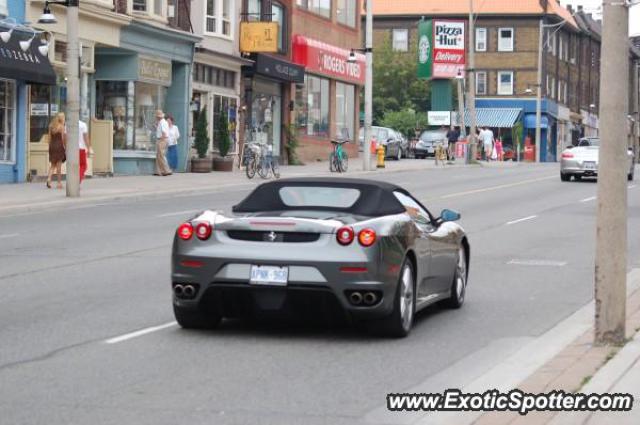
(448, 48)
(325, 59)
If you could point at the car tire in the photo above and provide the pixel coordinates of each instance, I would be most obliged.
(630, 176)
(577, 177)
(399, 323)
(196, 318)
(565, 177)
(459, 284)
(399, 156)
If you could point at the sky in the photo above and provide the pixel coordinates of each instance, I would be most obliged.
(592, 6)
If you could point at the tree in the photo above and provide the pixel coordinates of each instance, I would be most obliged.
(224, 140)
(202, 134)
(405, 121)
(396, 86)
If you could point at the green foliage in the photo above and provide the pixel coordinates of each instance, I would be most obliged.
(202, 134)
(224, 140)
(396, 86)
(405, 121)
(292, 144)
(516, 134)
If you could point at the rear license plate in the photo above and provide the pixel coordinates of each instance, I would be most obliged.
(430, 150)
(269, 275)
(589, 165)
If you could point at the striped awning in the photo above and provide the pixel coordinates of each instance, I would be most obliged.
(494, 117)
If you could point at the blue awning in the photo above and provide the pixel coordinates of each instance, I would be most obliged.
(494, 117)
(530, 121)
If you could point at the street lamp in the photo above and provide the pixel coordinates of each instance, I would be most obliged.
(73, 89)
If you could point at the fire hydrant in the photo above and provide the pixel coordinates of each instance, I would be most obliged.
(380, 154)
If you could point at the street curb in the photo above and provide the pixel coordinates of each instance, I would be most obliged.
(69, 203)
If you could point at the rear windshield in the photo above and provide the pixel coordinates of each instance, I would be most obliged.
(431, 136)
(318, 196)
(589, 142)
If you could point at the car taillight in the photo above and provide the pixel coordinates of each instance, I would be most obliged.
(203, 231)
(345, 235)
(567, 155)
(367, 237)
(185, 231)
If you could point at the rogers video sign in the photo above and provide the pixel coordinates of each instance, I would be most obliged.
(325, 59)
(448, 48)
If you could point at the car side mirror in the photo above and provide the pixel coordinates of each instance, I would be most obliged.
(449, 215)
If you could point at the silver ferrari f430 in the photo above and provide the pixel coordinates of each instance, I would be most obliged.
(365, 249)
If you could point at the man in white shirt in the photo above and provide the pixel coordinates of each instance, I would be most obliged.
(174, 136)
(162, 139)
(486, 136)
(84, 145)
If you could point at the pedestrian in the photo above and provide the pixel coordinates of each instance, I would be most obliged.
(162, 139)
(499, 152)
(84, 145)
(172, 149)
(57, 148)
(486, 136)
(452, 137)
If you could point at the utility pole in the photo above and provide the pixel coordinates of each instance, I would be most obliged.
(611, 234)
(73, 100)
(539, 91)
(471, 94)
(368, 87)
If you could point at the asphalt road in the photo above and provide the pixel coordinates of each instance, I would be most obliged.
(77, 285)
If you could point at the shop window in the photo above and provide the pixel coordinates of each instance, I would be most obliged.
(347, 12)
(481, 82)
(45, 102)
(505, 39)
(312, 102)
(505, 83)
(155, 7)
(7, 117)
(481, 39)
(218, 15)
(254, 10)
(400, 39)
(320, 7)
(215, 76)
(229, 105)
(345, 111)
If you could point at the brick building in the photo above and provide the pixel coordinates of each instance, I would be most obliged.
(309, 83)
(506, 43)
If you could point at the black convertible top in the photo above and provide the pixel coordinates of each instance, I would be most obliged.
(376, 197)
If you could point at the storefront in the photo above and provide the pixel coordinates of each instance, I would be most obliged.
(18, 69)
(216, 86)
(151, 70)
(326, 105)
(590, 123)
(268, 85)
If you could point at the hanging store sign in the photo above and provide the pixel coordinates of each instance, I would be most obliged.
(326, 59)
(439, 117)
(448, 48)
(259, 37)
(153, 71)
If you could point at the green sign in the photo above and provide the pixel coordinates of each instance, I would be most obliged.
(425, 50)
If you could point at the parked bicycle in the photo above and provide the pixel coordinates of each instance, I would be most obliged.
(258, 158)
(338, 158)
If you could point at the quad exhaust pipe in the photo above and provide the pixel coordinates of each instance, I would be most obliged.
(184, 291)
(368, 298)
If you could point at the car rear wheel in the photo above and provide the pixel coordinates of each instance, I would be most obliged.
(630, 176)
(196, 318)
(565, 177)
(577, 177)
(459, 284)
(399, 323)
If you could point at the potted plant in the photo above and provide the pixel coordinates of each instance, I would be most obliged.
(292, 145)
(201, 164)
(224, 144)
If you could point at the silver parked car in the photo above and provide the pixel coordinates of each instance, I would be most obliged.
(395, 145)
(361, 247)
(426, 145)
(582, 160)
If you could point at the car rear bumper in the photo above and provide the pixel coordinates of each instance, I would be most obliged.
(578, 167)
(424, 151)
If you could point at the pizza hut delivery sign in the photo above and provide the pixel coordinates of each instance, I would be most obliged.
(448, 48)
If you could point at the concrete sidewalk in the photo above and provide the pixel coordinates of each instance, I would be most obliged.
(27, 197)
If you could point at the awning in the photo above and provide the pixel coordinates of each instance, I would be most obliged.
(530, 121)
(29, 66)
(494, 117)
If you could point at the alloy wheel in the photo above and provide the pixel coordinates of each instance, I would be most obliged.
(406, 298)
(461, 276)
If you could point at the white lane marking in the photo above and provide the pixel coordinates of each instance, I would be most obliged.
(502, 186)
(550, 263)
(10, 235)
(520, 220)
(138, 333)
(172, 214)
(592, 198)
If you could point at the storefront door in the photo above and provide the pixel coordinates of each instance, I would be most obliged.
(266, 114)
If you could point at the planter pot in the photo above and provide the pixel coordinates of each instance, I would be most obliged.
(200, 165)
(222, 164)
